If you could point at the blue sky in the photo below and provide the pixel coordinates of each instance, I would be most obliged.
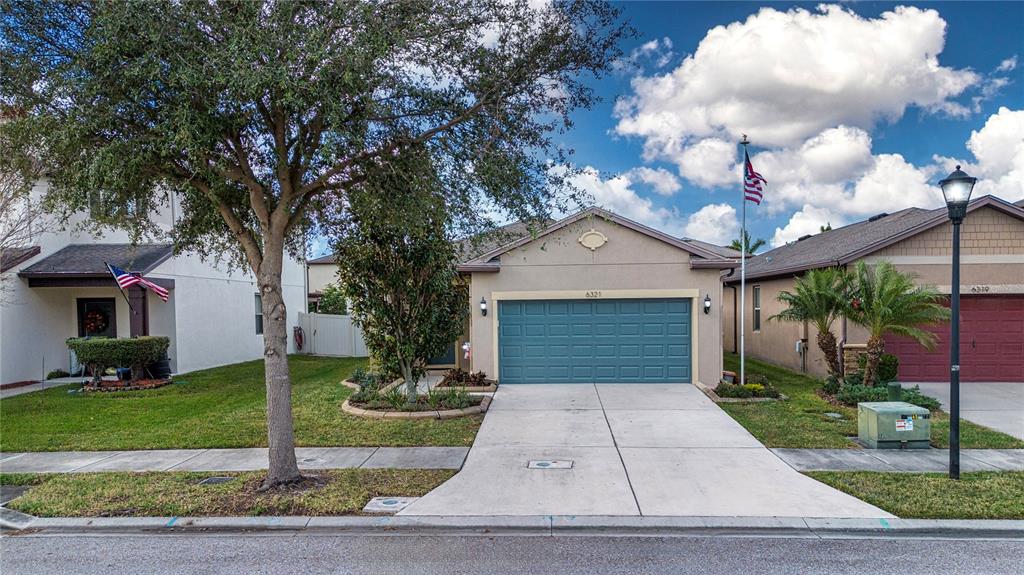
(854, 109)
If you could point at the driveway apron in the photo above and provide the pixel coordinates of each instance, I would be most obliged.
(610, 449)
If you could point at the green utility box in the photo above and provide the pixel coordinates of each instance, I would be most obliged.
(893, 425)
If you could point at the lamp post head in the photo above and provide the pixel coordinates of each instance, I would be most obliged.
(956, 189)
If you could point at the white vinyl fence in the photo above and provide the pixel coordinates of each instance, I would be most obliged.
(335, 335)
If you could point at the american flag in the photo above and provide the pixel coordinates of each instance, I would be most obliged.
(126, 280)
(753, 183)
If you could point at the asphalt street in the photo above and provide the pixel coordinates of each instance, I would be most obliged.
(283, 554)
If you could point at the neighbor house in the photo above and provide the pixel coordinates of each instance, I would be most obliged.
(58, 287)
(597, 298)
(917, 241)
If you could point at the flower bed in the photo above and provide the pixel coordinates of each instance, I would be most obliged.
(468, 381)
(124, 385)
(373, 400)
(756, 389)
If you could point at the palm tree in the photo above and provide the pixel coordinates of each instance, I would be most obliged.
(819, 298)
(884, 300)
(751, 247)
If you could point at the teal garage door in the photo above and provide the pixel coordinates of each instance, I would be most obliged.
(595, 341)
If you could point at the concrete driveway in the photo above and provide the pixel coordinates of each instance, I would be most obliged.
(660, 450)
(998, 405)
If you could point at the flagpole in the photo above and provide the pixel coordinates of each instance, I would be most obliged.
(743, 269)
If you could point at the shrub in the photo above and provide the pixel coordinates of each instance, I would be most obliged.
(888, 367)
(736, 391)
(853, 379)
(462, 378)
(368, 379)
(102, 353)
(854, 394)
(57, 373)
(831, 385)
(755, 388)
(757, 378)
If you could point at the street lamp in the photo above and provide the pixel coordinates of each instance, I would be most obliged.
(956, 189)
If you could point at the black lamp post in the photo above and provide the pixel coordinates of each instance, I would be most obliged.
(956, 189)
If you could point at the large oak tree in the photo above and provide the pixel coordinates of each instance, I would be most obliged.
(257, 115)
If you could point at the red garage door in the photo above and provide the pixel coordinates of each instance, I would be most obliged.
(991, 343)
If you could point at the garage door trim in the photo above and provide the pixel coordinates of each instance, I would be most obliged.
(599, 294)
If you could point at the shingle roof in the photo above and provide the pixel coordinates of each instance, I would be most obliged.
(328, 259)
(14, 256)
(724, 251)
(88, 259)
(1019, 203)
(842, 245)
(476, 245)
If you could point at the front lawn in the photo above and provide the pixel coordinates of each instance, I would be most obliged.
(801, 421)
(177, 494)
(220, 407)
(977, 495)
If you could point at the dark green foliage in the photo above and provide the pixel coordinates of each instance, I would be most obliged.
(831, 385)
(395, 399)
(748, 390)
(57, 373)
(853, 379)
(332, 301)
(853, 394)
(888, 367)
(397, 266)
(101, 353)
(368, 379)
(747, 246)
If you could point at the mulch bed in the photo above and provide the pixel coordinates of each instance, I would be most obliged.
(420, 405)
(121, 385)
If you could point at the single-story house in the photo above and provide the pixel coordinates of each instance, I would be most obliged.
(918, 241)
(59, 287)
(596, 297)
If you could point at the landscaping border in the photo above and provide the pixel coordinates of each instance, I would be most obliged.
(426, 414)
(715, 397)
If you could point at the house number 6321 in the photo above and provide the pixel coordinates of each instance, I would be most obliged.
(593, 294)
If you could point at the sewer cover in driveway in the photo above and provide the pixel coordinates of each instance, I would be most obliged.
(388, 504)
(550, 464)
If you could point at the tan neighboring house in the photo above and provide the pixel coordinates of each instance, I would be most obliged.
(596, 297)
(918, 241)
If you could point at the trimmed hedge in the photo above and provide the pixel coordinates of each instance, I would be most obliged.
(101, 353)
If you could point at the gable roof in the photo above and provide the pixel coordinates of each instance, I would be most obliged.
(88, 259)
(722, 251)
(472, 247)
(1019, 203)
(489, 261)
(841, 246)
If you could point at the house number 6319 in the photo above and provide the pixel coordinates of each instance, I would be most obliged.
(593, 294)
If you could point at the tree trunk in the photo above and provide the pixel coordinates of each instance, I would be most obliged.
(875, 349)
(410, 381)
(828, 346)
(283, 468)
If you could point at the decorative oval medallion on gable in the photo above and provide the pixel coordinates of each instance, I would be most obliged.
(593, 239)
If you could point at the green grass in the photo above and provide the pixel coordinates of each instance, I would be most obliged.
(220, 407)
(800, 421)
(343, 492)
(978, 495)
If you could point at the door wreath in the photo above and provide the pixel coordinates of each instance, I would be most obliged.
(95, 321)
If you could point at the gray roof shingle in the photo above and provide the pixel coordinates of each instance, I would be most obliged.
(14, 256)
(88, 259)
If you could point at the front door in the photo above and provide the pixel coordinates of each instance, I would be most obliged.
(97, 317)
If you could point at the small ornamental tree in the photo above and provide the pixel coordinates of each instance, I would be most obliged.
(397, 267)
(254, 117)
(819, 297)
(332, 300)
(747, 245)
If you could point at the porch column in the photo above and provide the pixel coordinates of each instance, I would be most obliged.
(140, 311)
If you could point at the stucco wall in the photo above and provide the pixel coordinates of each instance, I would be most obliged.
(630, 262)
(321, 276)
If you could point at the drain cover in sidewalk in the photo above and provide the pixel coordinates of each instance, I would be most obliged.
(550, 464)
(388, 504)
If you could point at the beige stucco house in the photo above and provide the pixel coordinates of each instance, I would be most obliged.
(596, 297)
(918, 241)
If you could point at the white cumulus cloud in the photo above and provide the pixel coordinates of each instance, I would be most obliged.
(616, 194)
(808, 220)
(784, 77)
(715, 223)
(660, 180)
(1007, 65)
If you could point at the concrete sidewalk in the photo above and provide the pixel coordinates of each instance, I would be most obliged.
(248, 459)
(896, 460)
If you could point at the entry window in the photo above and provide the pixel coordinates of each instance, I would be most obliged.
(97, 317)
(757, 308)
(259, 315)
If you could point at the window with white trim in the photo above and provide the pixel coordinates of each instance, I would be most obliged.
(756, 300)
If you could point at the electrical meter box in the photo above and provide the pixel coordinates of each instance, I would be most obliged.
(893, 425)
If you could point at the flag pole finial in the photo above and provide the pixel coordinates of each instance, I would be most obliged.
(744, 141)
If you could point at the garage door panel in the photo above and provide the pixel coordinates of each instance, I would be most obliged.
(595, 341)
(991, 343)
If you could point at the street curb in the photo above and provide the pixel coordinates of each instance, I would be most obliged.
(539, 525)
